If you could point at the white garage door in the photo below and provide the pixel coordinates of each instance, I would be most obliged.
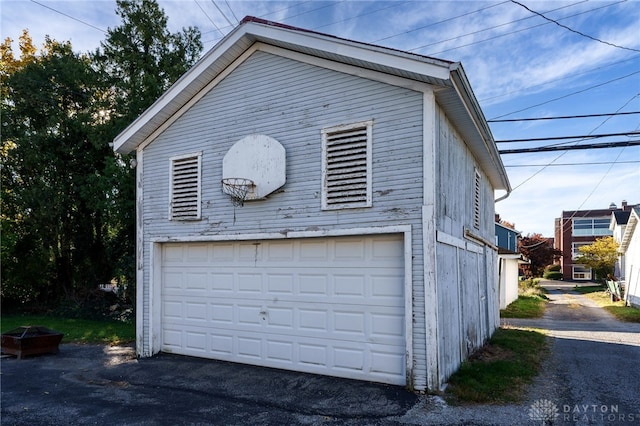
(332, 306)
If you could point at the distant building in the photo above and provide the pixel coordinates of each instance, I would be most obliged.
(578, 228)
(509, 259)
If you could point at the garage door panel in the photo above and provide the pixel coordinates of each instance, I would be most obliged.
(327, 305)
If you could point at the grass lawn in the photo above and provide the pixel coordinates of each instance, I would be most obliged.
(530, 303)
(76, 330)
(617, 309)
(499, 372)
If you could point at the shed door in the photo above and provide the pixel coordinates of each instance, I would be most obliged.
(332, 306)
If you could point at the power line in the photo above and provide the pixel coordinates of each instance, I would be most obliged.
(221, 12)
(491, 28)
(516, 31)
(583, 137)
(565, 152)
(208, 17)
(573, 164)
(568, 95)
(69, 16)
(231, 10)
(440, 22)
(574, 31)
(562, 117)
(571, 148)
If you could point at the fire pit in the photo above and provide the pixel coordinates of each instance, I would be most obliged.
(30, 340)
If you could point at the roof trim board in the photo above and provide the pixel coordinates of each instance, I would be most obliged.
(452, 89)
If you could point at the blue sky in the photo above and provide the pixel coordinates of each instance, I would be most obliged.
(520, 65)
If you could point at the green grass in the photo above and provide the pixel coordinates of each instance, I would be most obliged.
(76, 330)
(530, 303)
(525, 307)
(500, 372)
(617, 309)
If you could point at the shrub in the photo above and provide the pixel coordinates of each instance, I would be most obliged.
(554, 268)
(552, 275)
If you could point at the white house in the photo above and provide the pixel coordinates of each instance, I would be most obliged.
(509, 260)
(358, 242)
(627, 233)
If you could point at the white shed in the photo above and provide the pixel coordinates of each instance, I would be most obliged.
(363, 245)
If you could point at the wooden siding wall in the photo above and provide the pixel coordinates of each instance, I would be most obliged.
(467, 281)
(292, 101)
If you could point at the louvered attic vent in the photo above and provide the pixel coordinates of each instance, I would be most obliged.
(185, 188)
(347, 166)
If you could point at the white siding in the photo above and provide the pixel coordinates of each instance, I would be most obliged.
(467, 280)
(632, 267)
(291, 102)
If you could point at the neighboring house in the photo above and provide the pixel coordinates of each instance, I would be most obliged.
(509, 260)
(617, 225)
(364, 246)
(577, 228)
(630, 251)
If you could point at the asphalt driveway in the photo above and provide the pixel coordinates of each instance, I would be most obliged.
(593, 363)
(93, 384)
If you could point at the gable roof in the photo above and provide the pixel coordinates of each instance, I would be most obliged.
(621, 217)
(632, 223)
(451, 86)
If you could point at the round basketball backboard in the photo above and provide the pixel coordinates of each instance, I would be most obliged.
(260, 159)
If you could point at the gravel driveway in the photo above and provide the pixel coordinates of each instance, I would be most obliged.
(591, 378)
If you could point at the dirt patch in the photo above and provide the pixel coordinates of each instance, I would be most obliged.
(489, 353)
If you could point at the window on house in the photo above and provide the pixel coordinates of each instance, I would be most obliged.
(581, 273)
(476, 200)
(575, 249)
(346, 166)
(185, 187)
(591, 227)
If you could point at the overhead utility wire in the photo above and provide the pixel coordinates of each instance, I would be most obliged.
(439, 22)
(583, 137)
(556, 80)
(69, 16)
(520, 30)
(222, 13)
(209, 17)
(231, 9)
(562, 117)
(575, 31)
(595, 163)
(394, 4)
(568, 95)
(565, 152)
(571, 148)
(504, 24)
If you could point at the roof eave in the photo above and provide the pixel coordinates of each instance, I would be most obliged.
(477, 133)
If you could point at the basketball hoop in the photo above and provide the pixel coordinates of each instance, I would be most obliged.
(237, 189)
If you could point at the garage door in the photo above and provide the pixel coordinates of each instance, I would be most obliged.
(332, 306)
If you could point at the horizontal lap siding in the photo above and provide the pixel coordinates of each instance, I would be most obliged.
(291, 102)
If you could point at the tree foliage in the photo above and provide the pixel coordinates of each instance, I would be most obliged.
(601, 256)
(539, 251)
(52, 164)
(68, 203)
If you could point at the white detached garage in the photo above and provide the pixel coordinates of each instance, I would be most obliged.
(319, 205)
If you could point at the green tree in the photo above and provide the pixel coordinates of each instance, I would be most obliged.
(539, 251)
(601, 256)
(53, 232)
(140, 59)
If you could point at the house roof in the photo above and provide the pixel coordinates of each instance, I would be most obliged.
(632, 224)
(451, 86)
(621, 218)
